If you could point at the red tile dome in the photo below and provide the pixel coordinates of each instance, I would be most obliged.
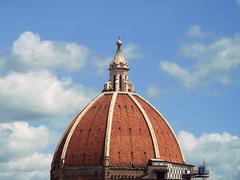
(118, 135)
(118, 129)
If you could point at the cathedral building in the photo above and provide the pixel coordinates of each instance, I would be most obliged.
(119, 135)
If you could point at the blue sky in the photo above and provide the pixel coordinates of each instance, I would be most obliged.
(184, 58)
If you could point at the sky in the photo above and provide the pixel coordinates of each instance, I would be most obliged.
(184, 57)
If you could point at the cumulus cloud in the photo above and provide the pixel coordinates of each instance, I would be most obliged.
(29, 51)
(219, 150)
(20, 139)
(30, 163)
(20, 154)
(38, 95)
(195, 31)
(34, 166)
(155, 92)
(238, 2)
(211, 62)
(132, 51)
(178, 72)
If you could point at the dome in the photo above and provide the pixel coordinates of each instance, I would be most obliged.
(118, 128)
(119, 135)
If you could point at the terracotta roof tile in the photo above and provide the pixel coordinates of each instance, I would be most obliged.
(130, 140)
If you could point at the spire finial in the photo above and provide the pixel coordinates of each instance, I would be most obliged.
(119, 42)
(118, 76)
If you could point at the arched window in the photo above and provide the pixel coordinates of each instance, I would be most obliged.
(114, 82)
(120, 82)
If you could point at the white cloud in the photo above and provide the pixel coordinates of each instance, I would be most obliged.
(238, 2)
(212, 62)
(32, 52)
(25, 175)
(195, 31)
(35, 161)
(19, 153)
(225, 80)
(132, 51)
(101, 64)
(220, 152)
(155, 92)
(20, 139)
(177, 71)
(36, 95)
(194, 51)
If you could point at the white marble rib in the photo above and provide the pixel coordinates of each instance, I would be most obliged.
(166, 123)
(75, 125)
(109, 125)
(149, 124)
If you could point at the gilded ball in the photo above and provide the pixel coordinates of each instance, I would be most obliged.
(119, 42)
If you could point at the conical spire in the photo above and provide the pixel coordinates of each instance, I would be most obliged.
(118, 76)
(119, 60)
